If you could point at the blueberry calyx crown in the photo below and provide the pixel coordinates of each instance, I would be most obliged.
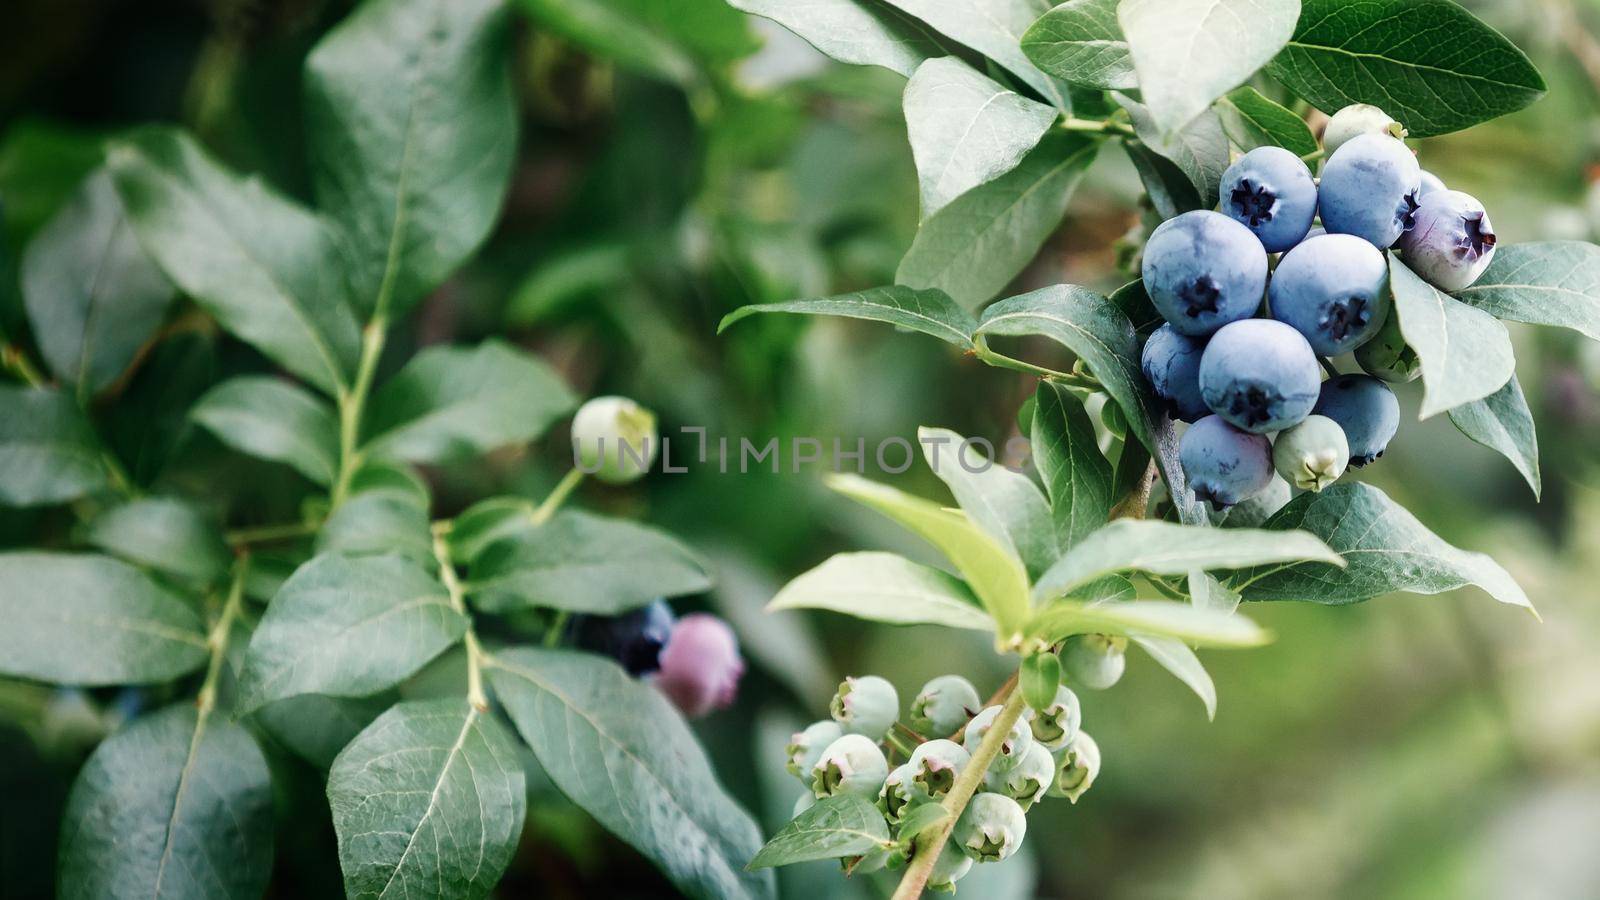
(1345, 316)
(1406, 213)
(1200, 296)
(1206, 494)
(1254, 202)
(1253, 405)
(1479, 240)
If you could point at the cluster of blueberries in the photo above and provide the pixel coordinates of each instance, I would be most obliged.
(694, 660)
(1045, 753)
(1238, 377)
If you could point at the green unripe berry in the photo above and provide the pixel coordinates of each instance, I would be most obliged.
(943, 705)
(900, 793)
(991, 828)
(951, 866)
(1055, 725)
(1076, 767)
(1355, 120)
(1012, 748)
(614, 439)
(805, 747)
(867, 705)
(1387, 357)
(1027, 781)
(936, 764)
(853, 764)
(1313, 454)
(1095, 661)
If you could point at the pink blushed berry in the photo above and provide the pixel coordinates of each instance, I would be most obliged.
(700, 665)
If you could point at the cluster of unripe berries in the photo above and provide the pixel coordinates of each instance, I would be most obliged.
(1045, 754)
(1238, 377)
(694, 660)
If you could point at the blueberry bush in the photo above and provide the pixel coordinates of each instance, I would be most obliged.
(283, 546)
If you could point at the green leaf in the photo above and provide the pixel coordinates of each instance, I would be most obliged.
(272, 419)
(858, 32)
(164, 533)
(1101, 335)
(1252, 121)
(1206, 592)
(268, 270)
(1170, 191)
(930, 312)
(669, 39)
(584, 563)
(1188, 53)
(91, 620)
(883, 587)
(427, 801)
(920, 818)
(1166, 548)
(1199, 149)
(1428, 63)
(1005, 504)
(317, 727)
(1176, 657)
(1135, 303)
(483, 523)
(993, 28)
(1161, 618)
(48, 451)
(412, 130)
(832, 828)
(966, 129)
(396, 480)
(347, 627)
(1503, 423)
(176, 804)
(1081, 42)
(1386, 550)
(617, 748)
(1554, 283)
(93, 296)
(1039, 677)
(1465, 353)
(454, 402)
(1075, 472)
(996, 576)
(378, 522)
(974, 246)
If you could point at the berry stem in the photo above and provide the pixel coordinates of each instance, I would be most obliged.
(1096, 126)
(557, 496)
(980, 349)
(929, 844)
(475, 654)
(353, 405)
(217, 640)
(17, 362)
(910, 733)
(1329, 367)
(267, 534)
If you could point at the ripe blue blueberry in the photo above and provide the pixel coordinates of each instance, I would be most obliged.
(1026, 781)
(1076, 767)
(943, 705)
(806, 746)
(1333, 289)
(1450, 242)
(991, 828)
(1223, 464)
(853, 764)
(1387, 356)
(1055, 725)
(1095, 661)
(1313, 454)
(633, 639)
(1369, 189)
(1203, 270)
(867, 705)
(1270, 191)
(1016, 742)
(700, 666)
(1260, 375)
(1171, 364)
(1367, 411)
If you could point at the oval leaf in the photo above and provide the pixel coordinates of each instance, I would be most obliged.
(1252, 121)
(1005, 504)
(1039, 677)
(858, 32)
(1465, 353)
(272, 419)
(1503, 423)
(887, 588)
(1176, 657)
(48, 450)
(1081, 42)
(930, 311)
(993, 28)
(1165, 618)
(832, 828)
(1199, 149)
(1554, 283)
(1076, 474)
(163, 533)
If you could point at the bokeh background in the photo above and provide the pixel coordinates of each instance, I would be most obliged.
(679, 160)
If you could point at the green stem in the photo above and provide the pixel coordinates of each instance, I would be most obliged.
(557, 496)
(1327, 364)
(120, 480)
(930, 843)
(475, 654)
(558, 626)
(353, 404)
(217, 640)
(1095, 126)
(15, 361)
(267, 534)
(980, 349)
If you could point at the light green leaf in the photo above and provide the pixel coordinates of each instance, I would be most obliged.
(93, 296)
(1428, 63)
(483, 523)
(317, 727)
(858, 32)
(832, 828)
(930, 312)
(966, 129)
(1188, 53)
(584, 563)
(427, 801)
(996, 576)
(920, 818)
(396, 480)
(1162, 618)
(1039, 677)
(1075, 472)
(378, 522)
(1199, 149)
(884, 587)
(1503, 423)
(1252, 121)
(993, 28)
(1554, 283)
(91, 620)
(164, 533)
(347, 627)
(1081, 42)
(617, 748)
(975, 245)
(268, 270)
(1206, 592)
(412, 130)
(48, 451)
(1465, 353)
(1176, 657)
(175, 804)
(1005, 504)
(1166, 548)
(669, 39)
(272, 419)
(1386, 550)
(454, 402)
